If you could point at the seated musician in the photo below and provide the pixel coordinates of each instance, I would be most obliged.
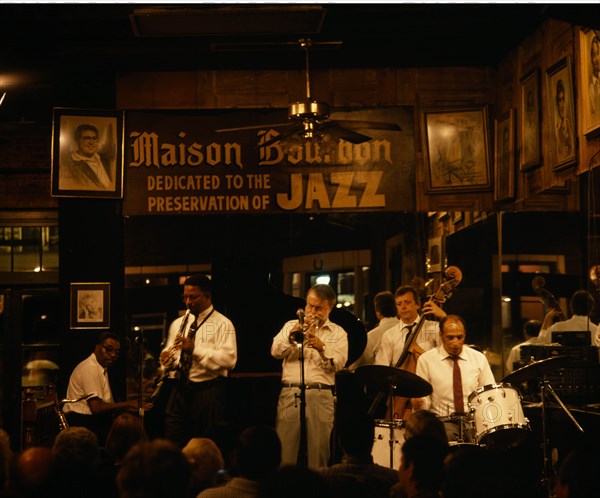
(454, 371)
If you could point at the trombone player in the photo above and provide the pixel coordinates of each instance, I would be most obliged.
(315, 348)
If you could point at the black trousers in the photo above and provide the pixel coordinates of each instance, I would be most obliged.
(195, 410)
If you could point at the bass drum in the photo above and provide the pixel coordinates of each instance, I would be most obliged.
(498, 416)
(384, 430)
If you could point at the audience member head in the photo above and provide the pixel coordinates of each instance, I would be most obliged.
(206, 460)
(294, 481)
(257, 453)
(126, 430)
(385, 306)
(582, 303)
(469, 470)
(34, 473)
(76, 452)
(421, 467)
(577, 474)
(154, 469)
(6, 458)
(356, 434)
(424, 422)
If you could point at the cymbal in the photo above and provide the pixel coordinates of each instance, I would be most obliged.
(381, 378)
(537, 369)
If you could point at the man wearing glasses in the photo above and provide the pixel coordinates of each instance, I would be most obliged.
(90, 378)
(200, 351)
(87, 168)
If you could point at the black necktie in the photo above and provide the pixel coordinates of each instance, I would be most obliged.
(185, 361)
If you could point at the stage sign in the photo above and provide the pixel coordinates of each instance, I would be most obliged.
(177, 163)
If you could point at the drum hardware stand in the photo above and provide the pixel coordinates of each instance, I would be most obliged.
(391, 432)
(548, 472)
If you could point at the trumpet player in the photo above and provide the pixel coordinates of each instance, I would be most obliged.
(323, 345)
(200, 361)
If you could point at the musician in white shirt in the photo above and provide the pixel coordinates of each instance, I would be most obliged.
(325, 347)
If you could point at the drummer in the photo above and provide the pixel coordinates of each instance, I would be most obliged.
(437, 366)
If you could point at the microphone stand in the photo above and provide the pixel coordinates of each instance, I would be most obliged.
(139, 339)
(303, 448)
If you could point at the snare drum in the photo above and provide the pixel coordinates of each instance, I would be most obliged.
(498, 416)
(385, 429)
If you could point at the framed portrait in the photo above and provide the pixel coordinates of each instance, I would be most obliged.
(434, 255)
(87, 153)
(589, 79)
(456, 150)
(530, 155)
(504, 157)
(90, 305)
(561, 110)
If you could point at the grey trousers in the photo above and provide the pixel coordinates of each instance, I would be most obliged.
(319, 423)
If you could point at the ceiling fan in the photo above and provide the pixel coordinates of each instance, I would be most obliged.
(309, 119)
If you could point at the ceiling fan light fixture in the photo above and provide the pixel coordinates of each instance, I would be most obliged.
(308, 110)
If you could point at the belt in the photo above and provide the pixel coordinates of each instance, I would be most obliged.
(312, 385)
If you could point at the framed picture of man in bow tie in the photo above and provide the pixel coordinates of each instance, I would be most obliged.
(87, 156)
(589, 79)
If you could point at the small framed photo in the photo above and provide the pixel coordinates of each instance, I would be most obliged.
(504, 157)
(456, 150)
(589, 79)
(90, 305)
(561, 105)
(87, 153)
(434, 255)
(530, 155)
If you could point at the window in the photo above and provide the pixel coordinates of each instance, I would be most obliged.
(28, 248)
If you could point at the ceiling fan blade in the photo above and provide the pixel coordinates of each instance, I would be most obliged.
(368, 125)
(295, 129)
(254, 127)
(339, 132)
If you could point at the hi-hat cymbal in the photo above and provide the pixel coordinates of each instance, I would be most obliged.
(537, 369)
(381, 378)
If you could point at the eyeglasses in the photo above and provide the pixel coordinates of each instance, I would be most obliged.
(110, 350)
(88, 138)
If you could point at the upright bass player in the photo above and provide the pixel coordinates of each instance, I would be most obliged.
(393, 341)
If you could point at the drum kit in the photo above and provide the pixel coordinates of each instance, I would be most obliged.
(494, 419)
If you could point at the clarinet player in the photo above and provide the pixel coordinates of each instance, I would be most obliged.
(324, 346)
(200, 351)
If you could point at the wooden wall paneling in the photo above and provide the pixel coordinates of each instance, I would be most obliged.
(406, 83)
(26, 191)
(354, 88)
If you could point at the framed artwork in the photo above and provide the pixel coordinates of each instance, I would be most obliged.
(589, 79)
(87, 153)
(530, 155)
(90, 305)
(456, 150)
(434, 255)
(504, 157)
(561, 106)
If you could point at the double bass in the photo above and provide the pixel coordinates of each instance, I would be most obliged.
(548, 299)
(411, 352)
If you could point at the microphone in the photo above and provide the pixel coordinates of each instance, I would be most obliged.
(300, 315)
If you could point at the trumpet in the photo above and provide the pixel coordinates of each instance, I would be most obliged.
(297, 337)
